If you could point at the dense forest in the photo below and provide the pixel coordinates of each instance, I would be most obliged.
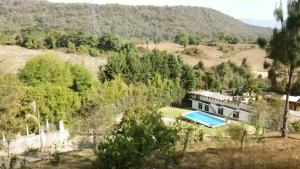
(146, 22)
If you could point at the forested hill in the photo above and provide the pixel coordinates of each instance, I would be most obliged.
(136, 21)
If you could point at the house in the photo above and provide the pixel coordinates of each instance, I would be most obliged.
(294, 102)
(221, 104)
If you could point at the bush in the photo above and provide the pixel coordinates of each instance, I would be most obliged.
(195, 40)
(46, 69)
(182, 39)
(193, 51)
(109, 42)
(84, 49)
(237, 133)
(296, 126)
(55, 102)
(267, 65)
(262, 42)
(7, 39)
(142, 139)
(82, 79)
(94, 52)
(56, 158)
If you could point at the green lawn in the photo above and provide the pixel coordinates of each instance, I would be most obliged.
(173, 112)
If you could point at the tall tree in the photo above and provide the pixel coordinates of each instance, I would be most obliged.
(285, 48)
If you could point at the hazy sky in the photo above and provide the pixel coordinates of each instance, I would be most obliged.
(240, 9)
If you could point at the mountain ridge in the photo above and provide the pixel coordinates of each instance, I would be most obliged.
(130, 21)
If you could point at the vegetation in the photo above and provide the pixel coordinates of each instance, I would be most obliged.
(238, 132)
(262, 42)
(284, 50)
(136, 142)
(230, 78)
(193, 51)
(121, 111)
(184, 39)
(143, 69)
(73, 41)
(228, 39)
(152, 23)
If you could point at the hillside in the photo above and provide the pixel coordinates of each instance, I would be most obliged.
(129, 21)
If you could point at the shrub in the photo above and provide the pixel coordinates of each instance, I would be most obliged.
(193, 51)
(84, 49)
(195, 40)
(266, 65)
(237, 133)
(46, 69)
(56, 158)
(182, 39)
(94, 52)
(109, 42)
(71, 47)
(262, 42)
(141, 137)
(296, 126)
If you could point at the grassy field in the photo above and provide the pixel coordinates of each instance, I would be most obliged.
(213, 56)
(83, 159)
(14, 58)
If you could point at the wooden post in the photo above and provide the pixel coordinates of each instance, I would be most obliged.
(27, 130)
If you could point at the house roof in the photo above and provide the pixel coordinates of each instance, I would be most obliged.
(294, 99)
(214, 95)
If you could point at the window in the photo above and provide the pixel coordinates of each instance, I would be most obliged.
(220, 111)
(236, 114)
(200, 106)
(206, 108)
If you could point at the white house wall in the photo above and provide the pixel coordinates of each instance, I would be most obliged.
(195, 104)
(228, 112)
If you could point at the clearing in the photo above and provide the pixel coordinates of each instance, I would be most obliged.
(214, 55)
(13, 58)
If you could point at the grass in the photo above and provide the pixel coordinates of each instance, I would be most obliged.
(13, 58)
(271, 152)
(78, 159)
(212, 56)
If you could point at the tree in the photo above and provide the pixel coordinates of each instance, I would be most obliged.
(188, 78)
(284, 48)
(104, 101)
(195, 40)
(252, 88)
(109, 42)
(262, 42)
(267, 114)
(82, 79)
(182, 39)
(141, 135)
(46, 69)
(11, 95)
(54, 102)
(238, 132)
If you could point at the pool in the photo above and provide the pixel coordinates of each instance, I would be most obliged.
(204, 118)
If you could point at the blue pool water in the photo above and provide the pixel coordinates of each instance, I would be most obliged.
(204, 118)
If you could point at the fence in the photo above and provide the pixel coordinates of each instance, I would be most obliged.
(22, 143)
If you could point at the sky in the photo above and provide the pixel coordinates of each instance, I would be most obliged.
(257, 12)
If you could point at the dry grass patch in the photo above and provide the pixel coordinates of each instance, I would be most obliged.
(14, 58)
